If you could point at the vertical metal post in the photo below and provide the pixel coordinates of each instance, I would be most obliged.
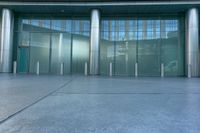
(192, 42)
(86, 69)
(189, 71)
(110, 69)
(6, 45)
(14, 67)
(62, 68)
(94, 42)
(162, 70)
(136, 69)
(38, 68)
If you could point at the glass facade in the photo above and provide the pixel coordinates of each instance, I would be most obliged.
(124, 41)
(52, 41)
(149, 42)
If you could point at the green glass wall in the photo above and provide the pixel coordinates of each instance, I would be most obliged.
(52, 41)
(60, 52)
(80, 53)
(39, 51)
(149, 42)
(124, 41)
(149, 45)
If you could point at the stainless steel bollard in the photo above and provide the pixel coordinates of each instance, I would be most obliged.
(14, 67)
(136, 69)
(189, 70)
(38, 68)
(110, 69)
(62, 68)
(86, 69)
(162, 70)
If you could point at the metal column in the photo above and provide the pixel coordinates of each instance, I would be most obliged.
(6, 46)
(94, 42)
(192, 43)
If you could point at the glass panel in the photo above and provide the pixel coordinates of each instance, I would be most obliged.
(118, 45)
(61, 25)
(39, 51)
(106, 53)
(61, 52)
(50, 43)
(81, 27)
(24, 38)
(26, 25)
(172, 50)
(148, 54)
(40, 25)
(170, 54)
(80, 53)
(125, 57)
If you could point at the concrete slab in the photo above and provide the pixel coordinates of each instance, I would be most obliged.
(18, 92)
(113, 105)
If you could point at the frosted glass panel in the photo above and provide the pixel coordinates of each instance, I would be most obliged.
(172, 48)
(61, 52)
(148, 55)
(170, 55)
(106, 55)
(80, 53)
(125, 58)
(39, 51)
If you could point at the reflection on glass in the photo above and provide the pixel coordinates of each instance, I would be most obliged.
(149, 42)
(41, 25)
(80, 53)
(125, 57)
(61, 52)
(106, 54)
(51, 44)
(149, 56)
(123, 41)
(172, 50)
(39, 51)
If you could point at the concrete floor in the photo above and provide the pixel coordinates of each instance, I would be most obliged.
(78, 104)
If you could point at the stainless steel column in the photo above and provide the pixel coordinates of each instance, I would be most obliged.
(192, 43)
(94, 42)
(6, 41)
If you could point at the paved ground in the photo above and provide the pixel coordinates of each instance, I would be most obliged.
(78, 104)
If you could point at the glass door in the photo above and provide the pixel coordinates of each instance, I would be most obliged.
(23, 59)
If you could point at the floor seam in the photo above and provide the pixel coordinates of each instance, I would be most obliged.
(37, 101)
(132, 93)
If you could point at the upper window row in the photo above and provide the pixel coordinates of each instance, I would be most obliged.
(55, 25)
(81, 26)
(140, 25)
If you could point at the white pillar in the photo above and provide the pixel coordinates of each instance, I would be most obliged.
(192, 42)
(94, 42)
(14, 67)
(86, 69)
(62, 68)
(38, 68)
(162, 70)
(110, 69)
(6, 46)
(136, 69)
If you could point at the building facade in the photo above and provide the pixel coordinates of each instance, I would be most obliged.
(124, 38)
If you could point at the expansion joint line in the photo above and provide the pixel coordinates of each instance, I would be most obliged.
(37, 101)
